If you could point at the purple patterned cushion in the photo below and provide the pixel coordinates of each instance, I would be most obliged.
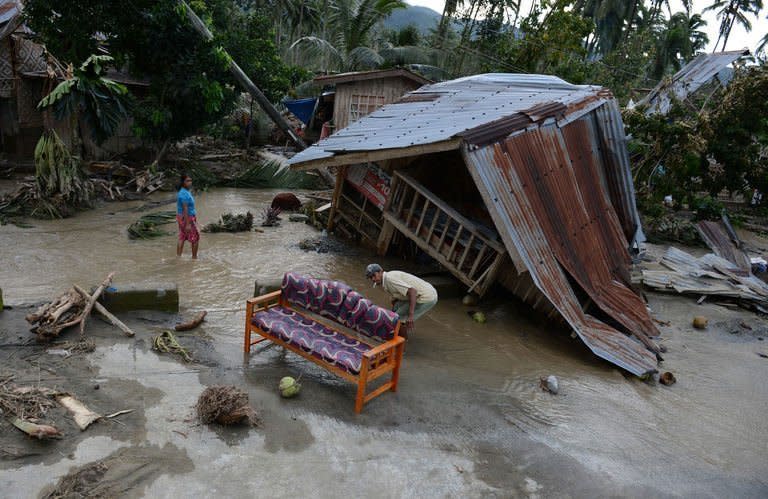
(296, 289)
(333, 294)
(321, 296)
(362, 315)
(322, 342)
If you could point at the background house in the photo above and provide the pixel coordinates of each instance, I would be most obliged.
(360, 93)
(28, 73)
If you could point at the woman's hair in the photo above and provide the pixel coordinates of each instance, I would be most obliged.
(182, 178)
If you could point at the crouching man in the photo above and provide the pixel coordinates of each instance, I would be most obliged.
(411, 297)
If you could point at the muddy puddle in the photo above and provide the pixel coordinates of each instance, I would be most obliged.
(468, 420)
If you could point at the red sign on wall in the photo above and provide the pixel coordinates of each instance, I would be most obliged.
(371, 181)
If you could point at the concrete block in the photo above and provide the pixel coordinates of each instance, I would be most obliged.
(264, 286)
(125, 298)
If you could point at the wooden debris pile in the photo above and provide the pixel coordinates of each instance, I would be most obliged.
(71, 309)
(27, 406)
(707, 276)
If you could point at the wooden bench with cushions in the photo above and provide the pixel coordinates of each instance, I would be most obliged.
(285, 317)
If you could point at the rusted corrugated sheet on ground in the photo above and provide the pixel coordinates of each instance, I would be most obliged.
(543, 190)
(689, 79)
(716, 237)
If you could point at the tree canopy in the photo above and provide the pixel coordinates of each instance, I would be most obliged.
(189, 85)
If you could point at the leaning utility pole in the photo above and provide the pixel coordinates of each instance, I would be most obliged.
(246, 82)
(255, 92)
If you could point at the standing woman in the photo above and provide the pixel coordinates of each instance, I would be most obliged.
(186, 216)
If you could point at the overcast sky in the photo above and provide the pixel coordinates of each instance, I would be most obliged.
(739, 38)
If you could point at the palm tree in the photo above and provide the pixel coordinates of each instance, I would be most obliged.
(449, 10)
(612, 19)
(87, 98)
(731, 12)
(682, 39)
(763, 44)
(346, 45)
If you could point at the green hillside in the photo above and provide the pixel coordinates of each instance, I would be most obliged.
(423, 18)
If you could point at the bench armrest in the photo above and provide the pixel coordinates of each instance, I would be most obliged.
(384, 347)
(264, 298)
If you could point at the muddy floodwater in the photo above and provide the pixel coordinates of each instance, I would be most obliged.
(469, 419)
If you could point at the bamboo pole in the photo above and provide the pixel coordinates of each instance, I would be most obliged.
(106, 313)
(92, 301)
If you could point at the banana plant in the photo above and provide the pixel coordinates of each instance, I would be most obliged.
(90, 101)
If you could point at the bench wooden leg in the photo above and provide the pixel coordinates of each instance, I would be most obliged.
(248, 315)
(399, 349)
(362, 382)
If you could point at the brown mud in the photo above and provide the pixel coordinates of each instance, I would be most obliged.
(469, 419)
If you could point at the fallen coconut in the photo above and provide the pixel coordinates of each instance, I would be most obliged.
(479, 317)
(469, 300)
(289, 387)
(225, 405)
(700, 322)
(667, 378)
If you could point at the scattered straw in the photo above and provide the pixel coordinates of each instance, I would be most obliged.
(80, 483)
(26, 402)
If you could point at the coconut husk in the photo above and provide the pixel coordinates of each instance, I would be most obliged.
(225, 405)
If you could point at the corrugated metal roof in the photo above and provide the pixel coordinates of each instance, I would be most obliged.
(474, 106)
(708, 275)
(371, 75)
(689, 79)
(544, 191)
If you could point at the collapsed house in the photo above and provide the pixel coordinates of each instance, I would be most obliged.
(518, 179)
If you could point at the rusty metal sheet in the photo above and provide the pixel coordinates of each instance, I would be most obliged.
(548, 206)
(716, 237)
(616, 169)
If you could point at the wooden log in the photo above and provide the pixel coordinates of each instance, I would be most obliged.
(106, 313)
(92, 301)
(189, 325)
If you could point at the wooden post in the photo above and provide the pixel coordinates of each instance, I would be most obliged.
(385, 238)
(340, 176)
